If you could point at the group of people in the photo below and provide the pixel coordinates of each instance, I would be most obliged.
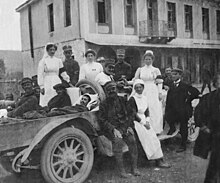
(123, 120)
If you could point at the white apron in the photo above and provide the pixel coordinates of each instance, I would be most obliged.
(148, 138)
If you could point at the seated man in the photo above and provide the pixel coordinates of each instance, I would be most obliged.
(62, 99)
(27, 102)
(117, 125)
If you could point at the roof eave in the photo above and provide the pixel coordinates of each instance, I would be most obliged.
(24, 5)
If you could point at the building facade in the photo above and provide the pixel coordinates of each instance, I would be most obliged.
(183, 33)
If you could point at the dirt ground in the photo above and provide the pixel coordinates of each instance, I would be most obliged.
(186, 168)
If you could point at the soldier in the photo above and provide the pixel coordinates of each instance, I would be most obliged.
(122, 69)
(71, 66)
(117, 126)
(27, 102)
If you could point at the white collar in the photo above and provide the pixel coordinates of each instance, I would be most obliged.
(177, 82)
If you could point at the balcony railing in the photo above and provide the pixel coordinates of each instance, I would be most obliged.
(157, 30)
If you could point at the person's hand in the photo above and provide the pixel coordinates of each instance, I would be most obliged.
(130, 130)
(117, 134)
(42, 91)
(147, 125)
(160, 97)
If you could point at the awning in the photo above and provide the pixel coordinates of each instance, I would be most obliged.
(118, 40)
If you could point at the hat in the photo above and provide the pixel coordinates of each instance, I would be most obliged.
(67, 48)
(90, 51)
(120, 52)
(109, 62)
(180, 71)
(109, 84)
(149, 53)
(25, 80)
(100, 59)
(59, 86)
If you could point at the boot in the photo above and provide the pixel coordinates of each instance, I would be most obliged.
(162, 164)
(120, 164)
(134, 169)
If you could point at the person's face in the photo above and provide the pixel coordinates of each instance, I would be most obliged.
(175, 76)
(120, 58)
(51, 51)
(139, 88)
(68, 54)
(111, 91)
(218, 82)
(90, 57)
(84, 100)
(148, 60)
(168, 71)
(109, 69)
(27, 87)
(60, 91)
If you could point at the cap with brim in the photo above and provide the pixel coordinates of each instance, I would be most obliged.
(120, 52)
(177, 70)
(59, 86)
(67, 48)
(109, 84)
(90, 51)
(25, 80)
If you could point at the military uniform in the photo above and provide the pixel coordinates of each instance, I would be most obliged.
(113, 115)
(72, 68)
(122, 69)
(27, 102)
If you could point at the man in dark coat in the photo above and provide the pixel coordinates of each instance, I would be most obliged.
(71, 66)
(27, 102)
(62, 99)
(206, 78)
(167, 78)
(178, 106)
(209, 122)
(117, 125)
(122, 68)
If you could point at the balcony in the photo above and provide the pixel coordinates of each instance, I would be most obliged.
(156, 32)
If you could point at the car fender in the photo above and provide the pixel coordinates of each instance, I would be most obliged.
(53, 125)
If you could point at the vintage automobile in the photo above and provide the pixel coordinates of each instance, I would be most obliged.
(65, 143)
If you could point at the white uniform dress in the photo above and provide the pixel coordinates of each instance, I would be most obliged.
(148, 138)
(48, 76)
(90, 70)
(148, 74)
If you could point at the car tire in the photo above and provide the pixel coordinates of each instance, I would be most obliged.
(67, 157)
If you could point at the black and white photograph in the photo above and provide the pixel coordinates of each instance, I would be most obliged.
(109, 91)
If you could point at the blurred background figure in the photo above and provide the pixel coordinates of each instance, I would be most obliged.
(101, 60)
(206, 78)
(167, 78)
(122, 68)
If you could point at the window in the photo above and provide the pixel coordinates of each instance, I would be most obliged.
(150, 10)
(67, 13)
(205, 20)
(188, 18)
(171, 15)
(50, 17)
(102, 18)
(129, 12)
(218, 21)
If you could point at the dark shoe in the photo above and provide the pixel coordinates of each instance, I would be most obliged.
(181, 149)
(136, 172)
(162, 164)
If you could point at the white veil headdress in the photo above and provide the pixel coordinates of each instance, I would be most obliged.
(136, 81)
(45, 55)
